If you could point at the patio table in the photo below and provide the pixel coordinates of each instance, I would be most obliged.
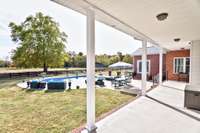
(120, 81)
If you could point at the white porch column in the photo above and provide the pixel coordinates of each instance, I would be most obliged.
(144, 66)
(90, 71)
(195, 63)
(161, 66)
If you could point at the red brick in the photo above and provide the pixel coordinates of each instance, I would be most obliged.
(169, 62)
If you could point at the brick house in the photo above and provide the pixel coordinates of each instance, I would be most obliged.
(175, 64)
(178, 64)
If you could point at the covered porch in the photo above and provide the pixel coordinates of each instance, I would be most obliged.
(169, 25)
(161, 110)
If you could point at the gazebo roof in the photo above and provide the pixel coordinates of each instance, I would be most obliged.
(120, 65)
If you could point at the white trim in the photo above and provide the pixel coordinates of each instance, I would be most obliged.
(184, 63)
(90, 126)
(144, 67)
(138, 61)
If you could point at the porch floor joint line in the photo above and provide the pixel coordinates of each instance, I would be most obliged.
(174, 88)
(174, 108)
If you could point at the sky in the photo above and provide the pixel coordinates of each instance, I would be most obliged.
(108, 39)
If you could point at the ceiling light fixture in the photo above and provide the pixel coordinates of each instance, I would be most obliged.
(177, 39)
(162, 16)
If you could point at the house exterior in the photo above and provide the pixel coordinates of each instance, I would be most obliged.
(152, 62)
(176, 64)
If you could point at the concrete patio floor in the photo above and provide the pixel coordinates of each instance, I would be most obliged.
(160, 111)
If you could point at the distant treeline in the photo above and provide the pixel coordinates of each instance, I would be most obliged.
(79, 59)
(5, 63)
(73, 59)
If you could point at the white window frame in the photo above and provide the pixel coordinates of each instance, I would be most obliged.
(138, 62)
(184, 64)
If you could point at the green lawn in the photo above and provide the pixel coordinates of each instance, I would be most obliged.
(39, 111)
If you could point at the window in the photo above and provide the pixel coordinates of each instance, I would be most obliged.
(181, 65)
(139, 66)
(187, 65)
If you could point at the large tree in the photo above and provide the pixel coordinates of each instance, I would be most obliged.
(40, 42)
(120, 56)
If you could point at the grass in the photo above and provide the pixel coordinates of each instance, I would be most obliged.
(44, 112)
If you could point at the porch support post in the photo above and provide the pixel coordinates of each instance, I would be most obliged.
(195, 63)
(144, 66)
(161, 66)
(90, 71)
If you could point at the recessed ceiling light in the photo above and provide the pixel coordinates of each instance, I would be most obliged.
(113, 26)
(162, 16)
(177, 39)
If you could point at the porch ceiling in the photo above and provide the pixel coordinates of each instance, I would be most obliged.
(138, 18)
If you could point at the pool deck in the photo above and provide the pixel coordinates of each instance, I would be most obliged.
(134, 85)
(161, 111)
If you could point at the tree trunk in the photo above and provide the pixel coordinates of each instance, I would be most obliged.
(45, 68)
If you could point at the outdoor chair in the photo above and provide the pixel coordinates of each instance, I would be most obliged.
(183, 77)
(100, 82)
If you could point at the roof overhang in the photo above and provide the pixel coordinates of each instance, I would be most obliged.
(138, 19)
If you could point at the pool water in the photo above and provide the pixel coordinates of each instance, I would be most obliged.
(61, 79)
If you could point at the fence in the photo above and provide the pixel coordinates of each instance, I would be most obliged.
(39, 73)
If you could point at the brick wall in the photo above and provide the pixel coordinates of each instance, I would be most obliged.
(169, 62)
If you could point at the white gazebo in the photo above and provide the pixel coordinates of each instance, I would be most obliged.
(167, 24)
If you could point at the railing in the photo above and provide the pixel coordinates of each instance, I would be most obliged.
(155, 79)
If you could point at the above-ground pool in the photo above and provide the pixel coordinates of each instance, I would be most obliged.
(66, 82)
